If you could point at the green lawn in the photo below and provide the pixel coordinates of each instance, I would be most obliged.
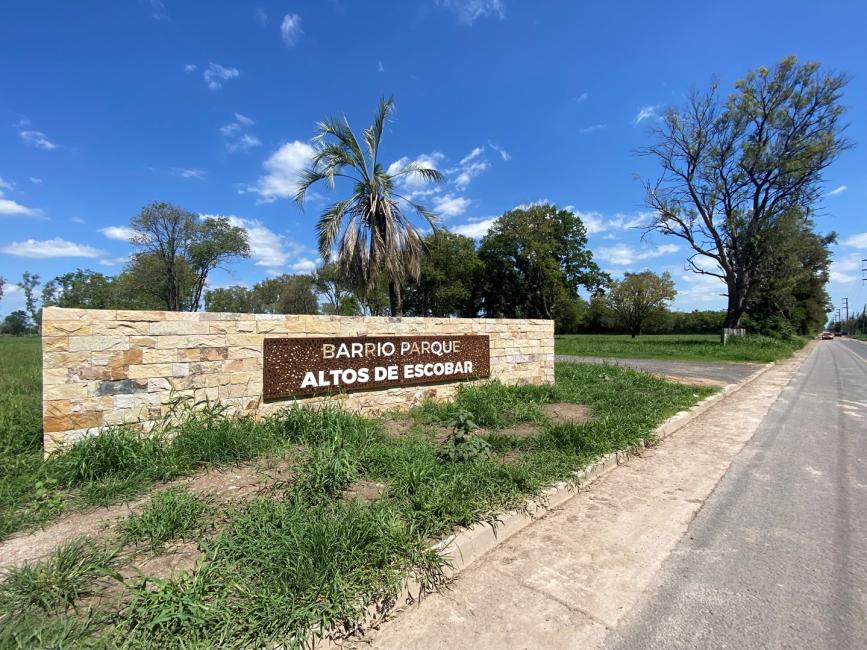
(20, 433)
(276, 567)
(686, 347)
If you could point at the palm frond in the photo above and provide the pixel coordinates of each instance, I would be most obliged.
(373, 133)
(427, 173)
(328, 226)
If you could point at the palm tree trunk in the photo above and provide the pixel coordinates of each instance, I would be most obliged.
(394, 298)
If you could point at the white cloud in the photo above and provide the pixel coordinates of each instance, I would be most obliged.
(35, 180)
(215, 74)
(837, 191)
(6, 185)
(592, 128)
(450, 206)
(597, 223)
(847, 269)
(380, 67)
(37, 139)
(858, 240)
(646, 112)
(158, 10)
(190, 67)
(697, 291)
(266, 246)
(114, 261)
(290, 29)
(476, 228)
(503, 153)
(305, 265)
(469, 172)
(261, 16)
(415, 184)
(468, 11)
(272, 250)
(76, 220)
(237, 137)
(624, 255)
(11, 208)
(188, 172)
(119, 233)
(475, 153)
(49, 248)
(283, 167)
(583, 97)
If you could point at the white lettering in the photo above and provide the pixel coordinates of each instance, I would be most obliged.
(309, 380)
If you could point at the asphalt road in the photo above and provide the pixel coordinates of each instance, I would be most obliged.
(777, 556)
(723, 373)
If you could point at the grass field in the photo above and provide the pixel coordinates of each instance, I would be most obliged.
(685, 347)
(275, 567)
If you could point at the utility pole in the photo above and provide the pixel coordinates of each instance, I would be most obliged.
(846, 307)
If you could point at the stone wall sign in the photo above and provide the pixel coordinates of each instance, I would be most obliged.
(295, 367)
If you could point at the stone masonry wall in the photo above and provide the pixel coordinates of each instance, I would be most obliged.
(112, 367)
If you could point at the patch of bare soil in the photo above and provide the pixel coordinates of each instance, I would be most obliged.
(177, 558)
(364, 491)
(694, 381)
(566, 412)
(223, 485)
(520, 430)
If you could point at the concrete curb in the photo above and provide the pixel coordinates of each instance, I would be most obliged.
(464, 547)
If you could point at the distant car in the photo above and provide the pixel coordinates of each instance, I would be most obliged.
(836, 334)
(827, 336)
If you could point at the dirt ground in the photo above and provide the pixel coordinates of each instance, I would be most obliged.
(220, 485)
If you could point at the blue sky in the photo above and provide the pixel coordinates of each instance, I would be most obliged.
(107, 106)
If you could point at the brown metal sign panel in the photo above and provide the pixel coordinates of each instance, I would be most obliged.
(298, 367)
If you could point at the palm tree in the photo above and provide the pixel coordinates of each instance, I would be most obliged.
(375, 236)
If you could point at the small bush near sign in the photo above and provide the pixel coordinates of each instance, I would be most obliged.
(296, 367)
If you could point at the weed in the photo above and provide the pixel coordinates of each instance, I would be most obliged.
(462, 445)
(171, 514)
(54, 585)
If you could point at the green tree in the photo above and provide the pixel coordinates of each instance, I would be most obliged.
(285, 294)
(16, 323)
(373, 300)
(29, 283)
(450, 280)
(371, 231)
(2, 287)
(82, 289)
(791, 296)
(731, 171)
(141, 284)
(329, 282)
(186, 249)
(535, 260)
(297, 295)
(237, 299)
(638, 297)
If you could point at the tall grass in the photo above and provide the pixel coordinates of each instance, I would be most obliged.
(686, 347)
(311, 560)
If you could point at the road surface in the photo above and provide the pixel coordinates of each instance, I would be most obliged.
(777, 557)
(745, 529)
(720, 373)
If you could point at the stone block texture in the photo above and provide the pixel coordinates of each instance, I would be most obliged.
(118, 367)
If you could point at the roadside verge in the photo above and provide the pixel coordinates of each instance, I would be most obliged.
(467, 546)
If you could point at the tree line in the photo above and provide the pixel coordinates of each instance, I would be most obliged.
(740, 180)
